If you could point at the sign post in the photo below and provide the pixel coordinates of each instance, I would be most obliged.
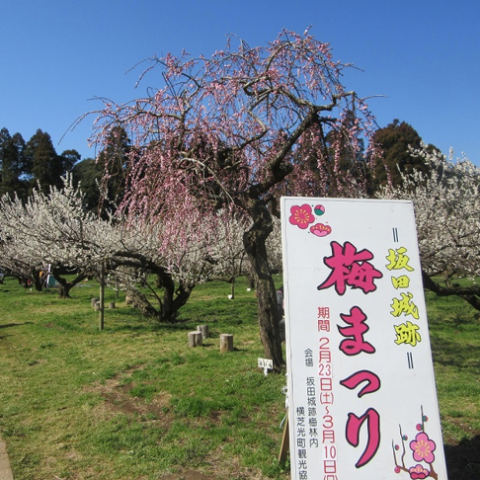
(362, 397)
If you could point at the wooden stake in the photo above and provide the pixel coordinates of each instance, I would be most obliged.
(203, 329)
(102, 296)
(195, 339)
(226, 342)
(282, 456)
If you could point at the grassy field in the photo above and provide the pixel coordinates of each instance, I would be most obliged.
(135, 402)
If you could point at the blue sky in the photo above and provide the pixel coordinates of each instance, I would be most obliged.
(422, 55)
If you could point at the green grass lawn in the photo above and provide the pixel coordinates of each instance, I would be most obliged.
(455, 338)
(135, 402)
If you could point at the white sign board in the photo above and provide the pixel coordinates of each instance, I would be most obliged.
(362, 396)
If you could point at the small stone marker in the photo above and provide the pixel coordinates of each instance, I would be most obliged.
(195, 339)
(111, 305)
(94, 302)
(203, 329)
(226, 342)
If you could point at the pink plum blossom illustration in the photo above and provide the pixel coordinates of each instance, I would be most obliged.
(418, 472)
(301, 216)
(321, 230)
(423, 448)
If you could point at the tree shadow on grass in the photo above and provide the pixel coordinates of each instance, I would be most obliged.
(144, 325)
(8, 325)
(448, 353)
(463, 460)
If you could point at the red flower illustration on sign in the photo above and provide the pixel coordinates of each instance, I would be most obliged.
(301, 216)
(418, 472)
(321, 230)
(423, 448)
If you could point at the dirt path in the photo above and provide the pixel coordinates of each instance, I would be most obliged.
(5, 470)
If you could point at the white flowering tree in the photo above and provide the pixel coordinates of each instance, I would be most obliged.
(53, 229)
(56, 229)
(231, 259)
(447, 211)
(229, 252)
(13, 263)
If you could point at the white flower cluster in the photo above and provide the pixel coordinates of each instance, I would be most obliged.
(447, 210)
(51, 229)
(56, 229)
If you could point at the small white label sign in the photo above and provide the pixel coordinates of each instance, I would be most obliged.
(265, 363)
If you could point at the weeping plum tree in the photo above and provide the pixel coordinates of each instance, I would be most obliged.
(232, 130)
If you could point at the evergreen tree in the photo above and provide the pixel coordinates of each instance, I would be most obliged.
(103, 191)
(46, 165)
(89, 174)
(68, 160)
(12, 164)
(114, 160)
(394, 141)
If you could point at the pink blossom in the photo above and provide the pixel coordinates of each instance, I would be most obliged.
(418, 472)
(301, 216)
(423, 448)
(321, 230)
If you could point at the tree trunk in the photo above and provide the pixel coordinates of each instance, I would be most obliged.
(102, 297)
(38, 280)
(167, 312)
(268, 315)
(226, 342)
(182, 295)
(65, 286)
(140, 301)
(195, 339)
(174, 298)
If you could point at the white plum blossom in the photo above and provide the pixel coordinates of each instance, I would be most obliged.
(56, 229)
(447, 212)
